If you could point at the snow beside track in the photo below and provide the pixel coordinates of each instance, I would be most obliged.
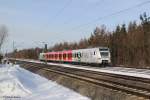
(17, 83)
(114, 70)
(141, 73)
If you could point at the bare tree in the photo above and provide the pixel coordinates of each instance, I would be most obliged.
(3, 35)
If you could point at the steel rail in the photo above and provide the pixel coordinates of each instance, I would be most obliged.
(98, 78)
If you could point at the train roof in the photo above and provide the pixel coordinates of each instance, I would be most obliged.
(93, 48)
(76, 49)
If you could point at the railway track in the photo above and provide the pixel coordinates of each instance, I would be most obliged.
(130, 85)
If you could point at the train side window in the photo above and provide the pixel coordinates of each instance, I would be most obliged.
(94, 52)
(60, 56)
(75, 55)
(64, 55)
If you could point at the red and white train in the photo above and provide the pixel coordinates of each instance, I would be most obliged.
(100, 55)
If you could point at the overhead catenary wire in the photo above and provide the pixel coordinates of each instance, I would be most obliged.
(112, 14)
(86, 10)
(58, 13)
(62, 9)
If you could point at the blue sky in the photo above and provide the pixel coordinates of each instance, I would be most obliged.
(31, 22)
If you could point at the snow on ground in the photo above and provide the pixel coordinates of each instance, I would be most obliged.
(17, 83)
(141, 73)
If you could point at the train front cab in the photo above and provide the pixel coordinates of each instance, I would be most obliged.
(105, 56)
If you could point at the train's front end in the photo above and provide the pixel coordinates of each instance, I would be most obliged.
(42, 56)
(105, 55)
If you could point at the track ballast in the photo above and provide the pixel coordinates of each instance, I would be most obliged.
(128, 84)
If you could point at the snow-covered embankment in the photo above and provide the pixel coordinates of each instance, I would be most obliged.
(18, 83)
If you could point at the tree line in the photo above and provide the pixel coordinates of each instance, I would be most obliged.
(3, 36)
(129, 44)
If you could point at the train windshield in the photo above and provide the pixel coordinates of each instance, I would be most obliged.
(104, 52)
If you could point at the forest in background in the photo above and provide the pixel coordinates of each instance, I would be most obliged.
(129, 44)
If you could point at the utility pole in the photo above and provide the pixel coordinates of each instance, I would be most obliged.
(45, 50)
(44, 47)
(13, 49)
(6, 53)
